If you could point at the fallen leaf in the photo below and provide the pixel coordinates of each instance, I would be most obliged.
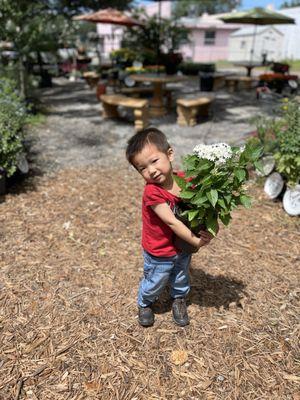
(92, 385)
(179, 357)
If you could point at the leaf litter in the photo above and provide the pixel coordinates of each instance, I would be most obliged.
(70, 266)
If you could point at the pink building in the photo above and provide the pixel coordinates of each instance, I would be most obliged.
(209, 36)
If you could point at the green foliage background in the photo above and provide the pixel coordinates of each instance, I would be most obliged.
(196, 7)
(12, 119)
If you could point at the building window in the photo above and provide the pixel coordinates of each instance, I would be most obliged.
(209, 37)
(243, 44)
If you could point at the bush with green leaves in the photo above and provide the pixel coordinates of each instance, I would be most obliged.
(287, 154)
(280, 137)
(124, 56)
(266, 133)
(12, 119)
(213, 183)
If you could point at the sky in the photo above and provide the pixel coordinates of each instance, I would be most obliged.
(246, 4)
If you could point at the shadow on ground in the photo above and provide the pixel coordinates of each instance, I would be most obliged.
(207, 291)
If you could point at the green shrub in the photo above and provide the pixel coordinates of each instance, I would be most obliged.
(281, 137)
(266, 133)
(287, 156)
(123, 56)
(12, 119)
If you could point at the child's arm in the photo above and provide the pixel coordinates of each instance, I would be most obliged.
(164, 212)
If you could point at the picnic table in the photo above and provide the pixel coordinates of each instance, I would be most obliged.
(157, 106)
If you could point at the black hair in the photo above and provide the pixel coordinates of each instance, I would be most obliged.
(147, 136)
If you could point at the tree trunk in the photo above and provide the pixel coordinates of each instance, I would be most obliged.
(22, 77)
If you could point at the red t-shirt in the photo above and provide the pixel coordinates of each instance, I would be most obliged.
(157, 237)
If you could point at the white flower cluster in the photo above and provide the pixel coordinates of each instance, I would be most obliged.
(219, 152)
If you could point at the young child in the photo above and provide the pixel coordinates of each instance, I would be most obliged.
(151, 155)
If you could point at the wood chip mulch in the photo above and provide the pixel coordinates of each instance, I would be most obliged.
(70, 265)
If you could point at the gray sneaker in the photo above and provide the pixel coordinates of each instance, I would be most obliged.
(146, 316)
(179, 310)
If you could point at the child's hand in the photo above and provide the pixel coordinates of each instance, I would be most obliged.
(205, 236)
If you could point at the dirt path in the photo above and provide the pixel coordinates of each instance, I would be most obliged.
(76, 135)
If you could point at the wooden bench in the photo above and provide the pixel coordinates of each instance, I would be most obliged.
(233, 83)
(189, 109)
(219, 81)
(139, 106)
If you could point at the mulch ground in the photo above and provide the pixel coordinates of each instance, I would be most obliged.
(70, 265)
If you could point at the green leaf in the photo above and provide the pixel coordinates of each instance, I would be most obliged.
(181, 182)
(259, 166)
(187, 194)
(192, 214)
(212, 196)
(228, 198)
(190, 173)
(221, 202)
(245, 201)
(190, 161)
(204, 165)
(212, 224)
(199, 199)
(240, 174)
(225, 218)
(256, 153)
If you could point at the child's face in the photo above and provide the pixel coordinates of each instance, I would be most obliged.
(154, 165)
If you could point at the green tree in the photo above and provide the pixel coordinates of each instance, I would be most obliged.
(156, 37)
(195, 8)
(35, 26)
(290, 4)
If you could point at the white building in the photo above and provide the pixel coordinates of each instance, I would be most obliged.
(267, 40)
(110, 37)
(291, 45)
(277, 42)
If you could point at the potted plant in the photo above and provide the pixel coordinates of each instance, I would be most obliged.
(214, 184)
(171, 61)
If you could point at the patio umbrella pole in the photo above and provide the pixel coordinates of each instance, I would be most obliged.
(159, 34)
(253, 44)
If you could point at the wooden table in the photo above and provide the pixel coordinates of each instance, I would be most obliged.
(249, 66)
(157, 107)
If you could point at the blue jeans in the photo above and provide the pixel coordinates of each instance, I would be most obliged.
(158, 271)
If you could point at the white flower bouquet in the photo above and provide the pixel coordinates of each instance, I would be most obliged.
(213, 183)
